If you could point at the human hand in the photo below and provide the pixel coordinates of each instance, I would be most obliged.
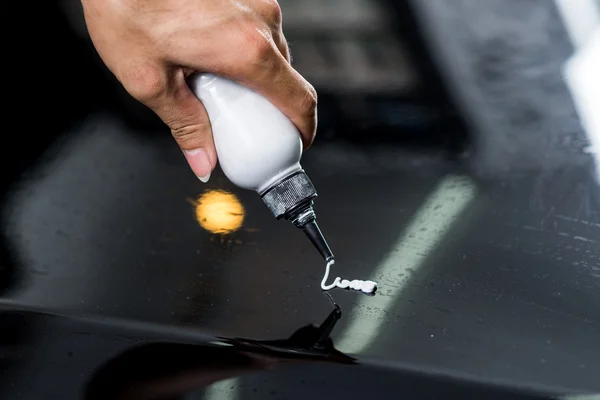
(151, 46)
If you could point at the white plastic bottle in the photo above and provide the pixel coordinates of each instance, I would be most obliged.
(259, 149)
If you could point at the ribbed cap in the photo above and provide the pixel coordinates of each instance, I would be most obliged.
(289, 193)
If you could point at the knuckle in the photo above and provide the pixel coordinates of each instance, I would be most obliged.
(144, 83)
(273, 12)
(258, 45)
(189, 134)
(261, 52)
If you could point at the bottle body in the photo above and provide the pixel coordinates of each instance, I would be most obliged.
(257, 145)
(259, 148)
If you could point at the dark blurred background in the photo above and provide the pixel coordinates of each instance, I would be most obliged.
(455, 162)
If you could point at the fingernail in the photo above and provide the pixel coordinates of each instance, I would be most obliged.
(199, 163)
(204, 178)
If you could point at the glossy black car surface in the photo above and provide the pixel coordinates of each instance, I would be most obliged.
(475, 208)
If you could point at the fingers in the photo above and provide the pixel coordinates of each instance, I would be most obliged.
(269, 12)
(268, 71)
(165, 91)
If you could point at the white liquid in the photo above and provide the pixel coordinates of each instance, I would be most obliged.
(364, 286)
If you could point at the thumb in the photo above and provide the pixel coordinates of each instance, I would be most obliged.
(190, 126)
(188, 120)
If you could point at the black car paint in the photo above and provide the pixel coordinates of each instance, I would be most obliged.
(101, 254)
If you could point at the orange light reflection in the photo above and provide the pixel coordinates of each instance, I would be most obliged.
(219, 212)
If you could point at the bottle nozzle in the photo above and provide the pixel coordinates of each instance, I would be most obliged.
(305, 219)
(311, 229)
(292, 199)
